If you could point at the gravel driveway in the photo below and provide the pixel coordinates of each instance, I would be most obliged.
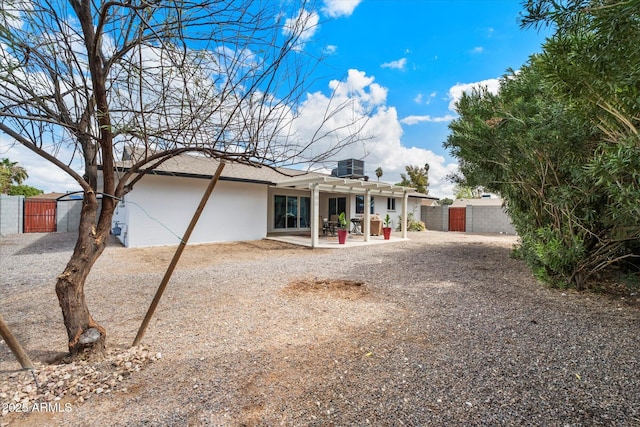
(444, 329)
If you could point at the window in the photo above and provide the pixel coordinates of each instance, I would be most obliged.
(291, 212)
(337, 205)
(280, 212)
(391, 204)
(305, 212)
(360, 205)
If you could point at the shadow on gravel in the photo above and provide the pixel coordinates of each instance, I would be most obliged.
(46, 357)
(56, 242)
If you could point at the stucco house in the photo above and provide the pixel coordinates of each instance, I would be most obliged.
(248, 203)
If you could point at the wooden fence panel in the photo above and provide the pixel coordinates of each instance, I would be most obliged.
(457, 219)
(39, 216)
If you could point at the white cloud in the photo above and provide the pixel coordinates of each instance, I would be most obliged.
(305, 25)
(356, 85)
(330, 49)
(363, 99)
(42, 174)
(338, 8)
(12, 12)
(382, 146)
(456, 91)
(394, 164)
(398, 65)
(478, 49)
(421, 98)
(412, 120)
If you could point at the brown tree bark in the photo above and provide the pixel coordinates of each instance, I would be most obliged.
(86, 336)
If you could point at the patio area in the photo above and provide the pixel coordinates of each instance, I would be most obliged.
(331, 242)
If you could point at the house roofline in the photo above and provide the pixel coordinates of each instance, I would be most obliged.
(198, 176)
(423, 196)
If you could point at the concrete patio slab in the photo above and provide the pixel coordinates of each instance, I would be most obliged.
(332, 242)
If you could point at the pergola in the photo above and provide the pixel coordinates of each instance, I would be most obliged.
(347, 186)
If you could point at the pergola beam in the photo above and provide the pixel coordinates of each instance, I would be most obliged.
(345, 185)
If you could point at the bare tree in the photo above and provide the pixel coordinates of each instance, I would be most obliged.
(85, 79)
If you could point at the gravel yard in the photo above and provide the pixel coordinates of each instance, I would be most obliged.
(444, 329)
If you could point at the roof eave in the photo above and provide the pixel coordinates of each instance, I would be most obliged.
(200, 176)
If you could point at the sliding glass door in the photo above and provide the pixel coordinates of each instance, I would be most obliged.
(291, 212)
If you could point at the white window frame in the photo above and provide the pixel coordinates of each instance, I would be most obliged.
(391, 204)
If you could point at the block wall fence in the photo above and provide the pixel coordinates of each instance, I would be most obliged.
(479, 219)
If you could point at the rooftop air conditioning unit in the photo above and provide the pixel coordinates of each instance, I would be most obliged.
(350, 168)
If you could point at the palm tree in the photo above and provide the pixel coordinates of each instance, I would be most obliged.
(5, 180)
(379, 173)
(10, 173)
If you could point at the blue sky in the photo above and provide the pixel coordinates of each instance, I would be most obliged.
(425, 53)
(419, 50)
(407, 61)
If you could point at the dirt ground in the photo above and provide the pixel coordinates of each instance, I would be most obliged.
(446, 328)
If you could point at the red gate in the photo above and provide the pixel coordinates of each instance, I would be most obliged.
(39, 215)
(457, 219)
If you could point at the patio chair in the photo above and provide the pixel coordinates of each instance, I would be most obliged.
(334, 224)
(324, 224)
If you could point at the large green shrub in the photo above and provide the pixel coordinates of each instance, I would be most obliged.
(572, 192)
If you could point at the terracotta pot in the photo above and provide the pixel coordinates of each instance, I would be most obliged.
(387, 232)
(342, 236)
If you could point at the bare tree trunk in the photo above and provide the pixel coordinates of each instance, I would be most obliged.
(86, 336)
(190, 96)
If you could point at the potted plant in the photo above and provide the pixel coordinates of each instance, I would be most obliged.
(343, 230)
(386, 227)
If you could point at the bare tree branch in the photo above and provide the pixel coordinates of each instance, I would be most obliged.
(221, 78)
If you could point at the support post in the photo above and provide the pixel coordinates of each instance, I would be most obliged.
(15, 346)
(315, 212)
(176, 256)
(405, 208)
(366, 226)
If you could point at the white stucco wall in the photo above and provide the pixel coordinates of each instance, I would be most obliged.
(235, 211)
(413, 206)
(380, 208)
